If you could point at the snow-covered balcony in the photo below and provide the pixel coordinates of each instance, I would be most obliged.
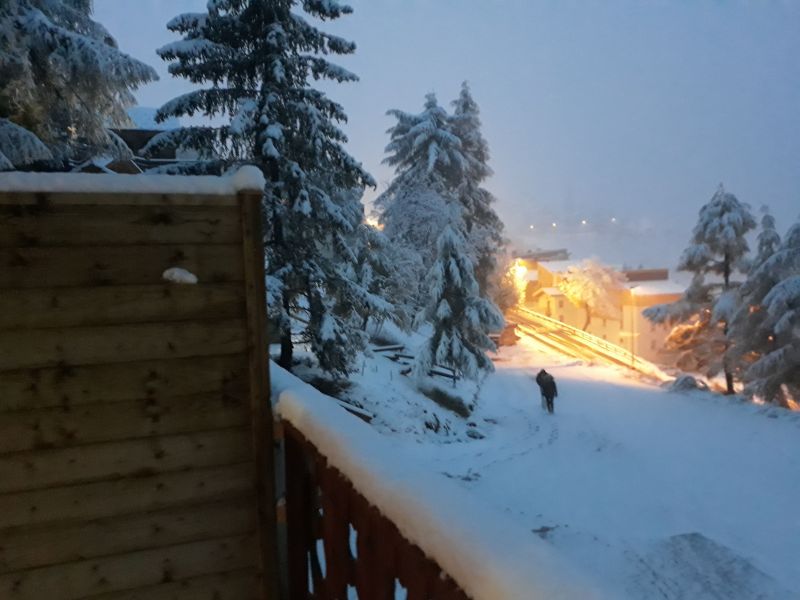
(364, 521)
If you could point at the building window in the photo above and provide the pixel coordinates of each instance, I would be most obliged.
(561, 318)
(604, 336)
(652, 344)
(604, 322)
(560, 304)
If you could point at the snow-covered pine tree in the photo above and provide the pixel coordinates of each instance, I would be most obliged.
(483, 227)
(747, 340)
(460, 317)
(429, 164)
(63, 78)
(718, 249)
(19, 148)
(768, 239)
(386, 271)
(256, 59)
(592, 285)
(764, 332)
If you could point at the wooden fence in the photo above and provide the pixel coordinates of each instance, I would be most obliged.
(135, 427)
(338, 540)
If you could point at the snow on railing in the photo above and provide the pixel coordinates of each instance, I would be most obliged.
(619, 353)
(246, 178)
(409, 525)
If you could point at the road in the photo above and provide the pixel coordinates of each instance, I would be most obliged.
(654, 495)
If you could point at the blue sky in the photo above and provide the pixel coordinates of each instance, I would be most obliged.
(592, 108)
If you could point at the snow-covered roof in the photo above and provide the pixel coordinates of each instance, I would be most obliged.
(551, 291)
(559, 266)
(654, 288)
(486, 553)
(246, 178)
(144, 117)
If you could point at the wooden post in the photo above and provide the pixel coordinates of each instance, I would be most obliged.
(260, 402)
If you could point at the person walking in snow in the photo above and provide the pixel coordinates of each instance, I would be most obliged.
(548, 389)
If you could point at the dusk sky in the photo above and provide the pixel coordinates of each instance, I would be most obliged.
(596, 109)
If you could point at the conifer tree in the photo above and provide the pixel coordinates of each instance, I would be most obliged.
(382, 271)
(764, 333)
(255, 59)
(429, 163)
(64, 80)
(718, 249)
(483, 227)
(461, 319)
(768, 239)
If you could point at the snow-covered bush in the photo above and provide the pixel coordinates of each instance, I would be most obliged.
(592, 285)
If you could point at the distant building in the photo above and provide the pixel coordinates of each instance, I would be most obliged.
(627, 327)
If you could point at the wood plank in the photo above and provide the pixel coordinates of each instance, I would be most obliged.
(39, 308)
(67, 387)
(129, 571)
(260, 404)
(141, 493)
(117, 225)
(236, 585)
(83, 464)
(55, 543)
(116, 265)
(45, 200)
(92, 423)
(120, 343)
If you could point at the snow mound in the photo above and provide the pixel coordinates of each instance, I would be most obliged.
(687, 383)
(691, 566)
(178, 275)
(247, 178)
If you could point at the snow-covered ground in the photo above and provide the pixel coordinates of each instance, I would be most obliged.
(651, 494)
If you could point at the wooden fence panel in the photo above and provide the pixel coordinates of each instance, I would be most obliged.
(135, 424)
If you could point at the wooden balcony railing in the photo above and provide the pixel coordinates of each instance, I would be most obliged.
(337, 539)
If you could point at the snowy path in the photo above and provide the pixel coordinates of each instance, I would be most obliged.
(653, 494)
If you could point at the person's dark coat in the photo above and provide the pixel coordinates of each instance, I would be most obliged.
(547, 386)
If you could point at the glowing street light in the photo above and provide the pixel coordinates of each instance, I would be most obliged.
(583, 221)
(531, 226)
(613, 219)
(554, 225)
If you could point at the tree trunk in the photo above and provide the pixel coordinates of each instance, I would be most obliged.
(729, 382)
(588, 317)
(287, 348)
(728, 374)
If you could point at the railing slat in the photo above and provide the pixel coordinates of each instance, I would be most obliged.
(297, 494)
(335, 533)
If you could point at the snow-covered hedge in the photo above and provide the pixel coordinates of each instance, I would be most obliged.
(486, 554)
